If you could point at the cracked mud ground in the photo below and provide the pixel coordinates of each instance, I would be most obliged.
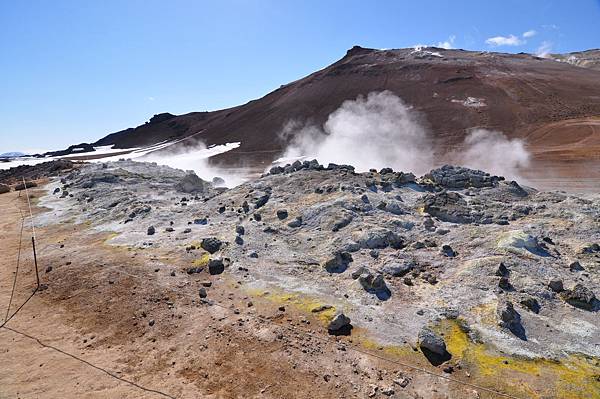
(371, 245)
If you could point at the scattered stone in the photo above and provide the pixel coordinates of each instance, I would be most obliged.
(338, 262)
(511, 319)
(576, 267)
(504, 283)
(216, 266)
(239, 229)
(48, 269)
(580, 297)
(556, 285)
(448, 251)
(206, 283)
(191, 184)
(502, 270)
(396, 269)
(261, 201)
(340, 324)
(531, 303)
(151, 322)
(169, 229)
(202, 292)
(187, 230)
(194, 270)
(282, 214)
(253, 254)
(211, 244)
(432, 342)
(201, 221)
(296, 222)
(458, 177)
(239, 240)
(4, 188)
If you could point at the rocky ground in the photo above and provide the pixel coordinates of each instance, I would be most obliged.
(317, 281)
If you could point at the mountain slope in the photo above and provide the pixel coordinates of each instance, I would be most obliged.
(452, 90)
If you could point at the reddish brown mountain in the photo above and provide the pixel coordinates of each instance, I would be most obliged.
(554, 105)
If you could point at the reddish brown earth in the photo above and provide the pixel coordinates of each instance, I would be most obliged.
(525, 96)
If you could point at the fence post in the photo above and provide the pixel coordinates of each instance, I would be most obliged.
(37, 273)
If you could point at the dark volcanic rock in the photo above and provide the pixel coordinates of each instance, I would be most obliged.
(211, 244)
(338, 262)
(457, 177)
(4, 188)
(580, 297)
(448, 207)
(511, 319)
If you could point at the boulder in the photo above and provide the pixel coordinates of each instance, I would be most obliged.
(191, 183)
(338, 262)
(432, 342)
(458, 177)
(340, 324)
(282, 214)
(449, 207)
(211, 244)
(448, 251)
(151, 230)
(5, 188)
(379, 238)
(216, 266)
(398, 269)
(580, 297)
(556, 285)
(509, 318)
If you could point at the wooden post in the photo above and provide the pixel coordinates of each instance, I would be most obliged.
(37, 273)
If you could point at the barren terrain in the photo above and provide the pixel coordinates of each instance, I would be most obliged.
(168, 312)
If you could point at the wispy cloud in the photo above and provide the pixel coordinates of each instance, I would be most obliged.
(544, 49)
(529, 33)
(448, 44)
(510, 40)
(150, 98)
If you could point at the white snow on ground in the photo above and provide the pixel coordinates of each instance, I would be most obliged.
(194, 159)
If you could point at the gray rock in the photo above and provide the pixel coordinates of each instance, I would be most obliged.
(4, 188)
(282, 214)
(239, 240)
(339, 323)
(511, 319)
(239, 229)
(191, 183)
(531, 304)
(151, 230)
(398, 269)
(580, 297)
(432, 342)
(448, 251)
(202, 292)
(338, 262)
(296, 222)
(556, 285)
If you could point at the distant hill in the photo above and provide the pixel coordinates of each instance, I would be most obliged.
(11, 154)
(585, 59)
(549, 103)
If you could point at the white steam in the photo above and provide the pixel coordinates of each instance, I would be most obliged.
(379, 130)
(492, 152)
(370, 132)
(196, 159)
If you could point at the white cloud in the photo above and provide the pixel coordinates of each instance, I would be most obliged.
(510, 40)
(544, 49)
(448, 44)
(529, 33)
(150, 98)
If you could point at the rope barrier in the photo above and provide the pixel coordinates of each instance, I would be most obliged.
(134, 384)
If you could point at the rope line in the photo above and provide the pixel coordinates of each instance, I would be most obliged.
(16, 273)
(132, 383)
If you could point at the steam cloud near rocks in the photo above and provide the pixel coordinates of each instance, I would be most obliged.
(380, 130)
(196, 159)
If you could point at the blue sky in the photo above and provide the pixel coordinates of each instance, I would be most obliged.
(75, 71)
